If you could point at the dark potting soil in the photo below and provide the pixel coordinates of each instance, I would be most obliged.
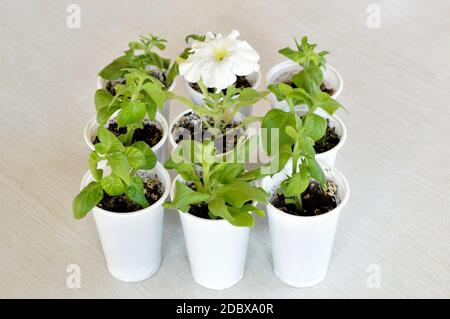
(324, 87)
(190, 126)
(199, 210)
(328, 141)
(314, 200)
(109, 86)
(151, 133)
(241, 83)
(153, 190)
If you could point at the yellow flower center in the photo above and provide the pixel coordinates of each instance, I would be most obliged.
(220, 53)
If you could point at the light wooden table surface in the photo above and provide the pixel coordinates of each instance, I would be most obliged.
(396, 157)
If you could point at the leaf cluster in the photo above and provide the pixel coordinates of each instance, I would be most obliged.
(141, 96)
(141, 55)
(296, 135)
(304, 54)
(223, 186)
(124, 162)
(223, 106)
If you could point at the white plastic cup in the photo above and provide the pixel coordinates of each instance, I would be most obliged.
(197, 97)
(328, 158)
(131, 242)
(302, 246)
(90, 132)
(283, 71)
(101, 83)
(216, 249)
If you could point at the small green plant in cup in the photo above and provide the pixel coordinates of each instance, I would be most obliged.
(312, 122)
(223, 107)
(214, 189)
(124, 162)
(296, 142)
(139, 97)
(311, 76)
(141, 56)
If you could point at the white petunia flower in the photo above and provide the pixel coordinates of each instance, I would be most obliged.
(218, 60)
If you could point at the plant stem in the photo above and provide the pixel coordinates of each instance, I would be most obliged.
(206, 177)
(298, 202)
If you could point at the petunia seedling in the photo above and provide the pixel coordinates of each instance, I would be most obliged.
(305, 54)
(313, 122)
(140, 96)
(123, 162)
(222, 187)
(296, 141)
(224, 107)
(311, 76)
(141, 56)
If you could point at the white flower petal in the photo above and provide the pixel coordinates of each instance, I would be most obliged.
(191, 69)
(244, 58)
(219, 75)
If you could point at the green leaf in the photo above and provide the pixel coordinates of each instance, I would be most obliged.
(187, 172)
(108, 142)
(114, 70)
(242, 218)
(132, 112)
(252, 175)
(316, 172)
(305, 55)
(87, 199)
(218, 208)
(94, 158)
(299, 96)
(150, 157)
(102, 99)
(170, 164)
(247, 97)
(135, 157)
(153, 58)
(254, 209)
(290, 54)
(151, 108)
(113, 185)
(120, 166)
(156, 92)
(192, 151)
(225, 173)
(306, 146)
(309, 79)
(104, 114)
(278, 160)
(172, 73)
(274, 124)
(185, 196)
(195, 37)
(291, 132)
(326, 102)
(297, 183)
(239, 192)
(135, 192)
(315, 126)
